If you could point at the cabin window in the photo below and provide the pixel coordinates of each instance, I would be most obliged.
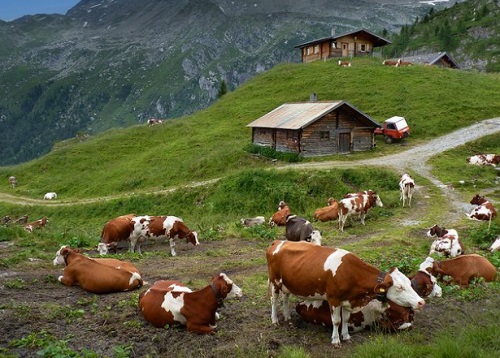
(334, 45)
(324, 135)
(362, 47)
(316, 48)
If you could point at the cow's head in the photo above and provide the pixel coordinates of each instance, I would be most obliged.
(105, 249)
(378, 201)
(477, 200)
(399, 290)
(224, 287)
(435, 230)
(331, 201)
(192, 237)
(315, 237)
(61, 255)
(425, 285)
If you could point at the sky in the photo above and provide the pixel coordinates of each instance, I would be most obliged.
(14, 9)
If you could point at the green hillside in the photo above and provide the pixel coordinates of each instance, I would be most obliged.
(210, 143)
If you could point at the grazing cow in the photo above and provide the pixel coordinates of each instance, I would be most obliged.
(406, 187)
(114, 231)
(36, 224)
(463, 269)
(118, 264)
(484, 211)
(279, 217)
(171, 302)
(22, 220)
(313, 272)
(13, 181)
(484, 159)
(5, 220)
(447, 242)
(496, 245)
(96, 277)
(344, 63)
(327, 213)
(153, 121)
(258, 220)
(391, 63)
(50, 196)
(388, 316)
(300, 229)
(357, 205)
(160, 227)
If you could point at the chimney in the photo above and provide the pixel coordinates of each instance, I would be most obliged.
(333, 30)
(313, 98)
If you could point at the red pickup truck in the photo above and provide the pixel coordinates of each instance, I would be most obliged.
(394, 128)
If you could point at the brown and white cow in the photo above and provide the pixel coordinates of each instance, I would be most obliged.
(279, 217)
(406, 187)
(484, 159)
(391, 63)
(153, 121)
(463, 269)
(484, 210)
(328, 213)
(22, 220)
(300, 229)
(387, 316)
(313, 272)
(446, 243)
(344, 63)
(358, 205)
(160, 227)
(172, 303)
(38, 224)
(115, 231)
(13, 181)
(496, 245)
(118, 264)
(95, 277)
(424, 283)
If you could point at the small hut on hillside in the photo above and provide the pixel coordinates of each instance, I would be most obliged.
(440, 59)
(315, 129)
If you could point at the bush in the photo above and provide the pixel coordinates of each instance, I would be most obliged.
(273, 154)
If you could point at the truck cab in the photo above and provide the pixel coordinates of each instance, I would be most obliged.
(394, 128)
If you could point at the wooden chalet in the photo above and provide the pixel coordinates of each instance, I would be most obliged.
(440, 59)
(351, 44)
(315, 129)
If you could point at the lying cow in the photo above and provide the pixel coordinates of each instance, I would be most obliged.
(424, 283)
(279, 217)
(496, 245)
(5, 220)
(484, 159)
(338, 276)
(22, 220)
(153, 121)
(171, 302)
(344, 63)
(463, 269)
(258, 220)
(118, 264)
(50, 196)
(359, 205)
(160, 227)
(38, 224)
(115, 231)
(386, 316)
(300, 229)
(483, 211)
(95, 277)
(327, 213)
(406, 187)
(447, 243)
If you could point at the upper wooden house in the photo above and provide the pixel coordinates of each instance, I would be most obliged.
(351, 44)
(315, 128)
(440, 59)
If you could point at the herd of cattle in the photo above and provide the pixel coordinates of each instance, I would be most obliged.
(335, 287)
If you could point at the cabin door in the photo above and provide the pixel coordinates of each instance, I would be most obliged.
(344, 142)
(345, 49)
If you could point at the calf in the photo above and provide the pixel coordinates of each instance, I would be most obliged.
(279, 217)
(300, 229)
(344, 63)
(172, 303)
(447, 242)
(327, 213)
(406, 187)
(463, 269)
(160, 227)
(118, 264)
(313, 272)
(36, 224)
(484, 211)
(95, 277)
(357, 205)
(50, 196)
(115, 231)
(484, 159)
(496, 245)
(388, 316)
(258, 220)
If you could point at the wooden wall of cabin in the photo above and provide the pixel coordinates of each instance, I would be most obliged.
(287, 140)
(263, 136)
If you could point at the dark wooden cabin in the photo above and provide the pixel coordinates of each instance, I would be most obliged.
(440, 59)
(315, 129)
(351, 44)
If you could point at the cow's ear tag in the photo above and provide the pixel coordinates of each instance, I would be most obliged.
(382, 290)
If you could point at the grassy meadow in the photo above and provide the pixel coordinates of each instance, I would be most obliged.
(131, 165)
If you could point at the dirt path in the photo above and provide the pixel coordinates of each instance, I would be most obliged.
(414, 158)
